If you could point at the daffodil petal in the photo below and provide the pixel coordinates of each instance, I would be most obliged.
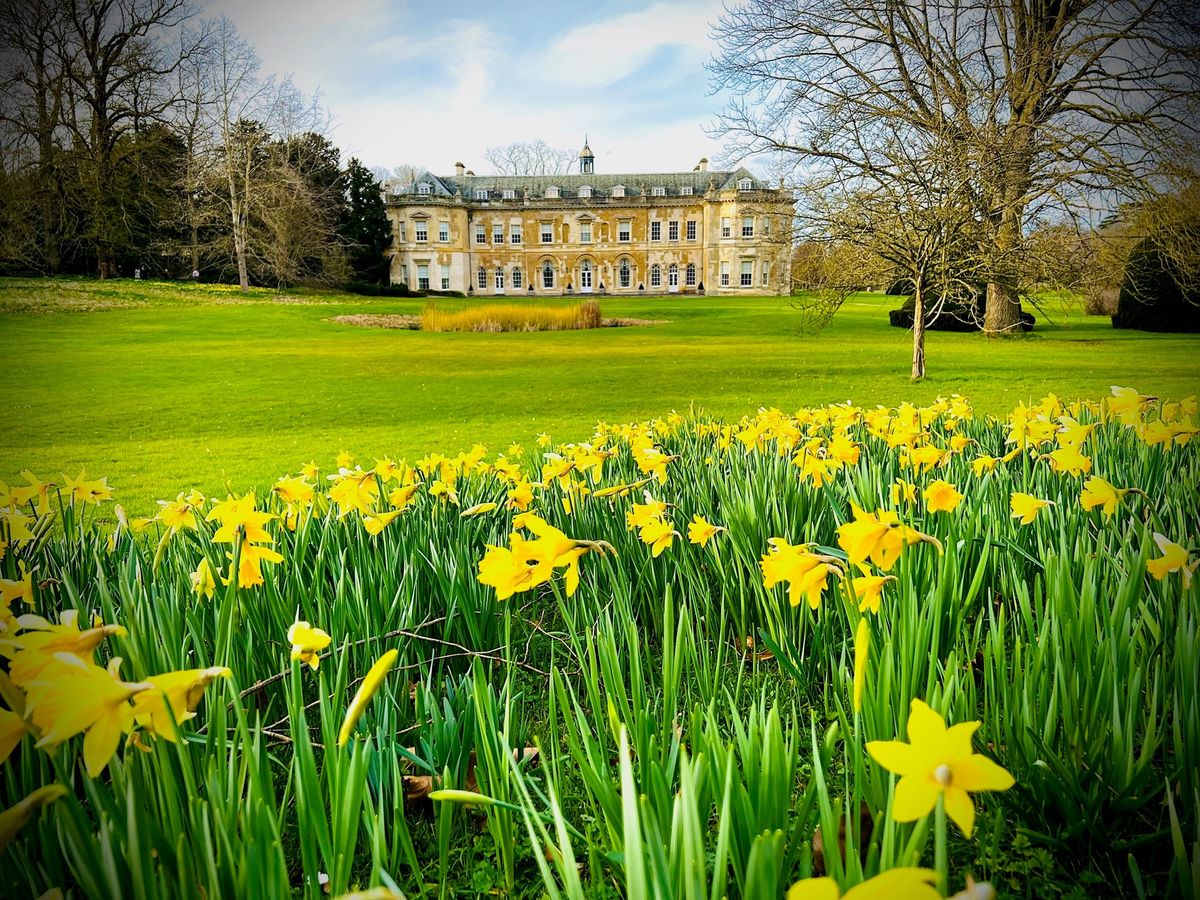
(960, 809)
(916, 796)
(896, 756)
(978, 773)
(924, 725)
(814, 889)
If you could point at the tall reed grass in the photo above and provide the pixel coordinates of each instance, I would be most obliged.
(493, 317)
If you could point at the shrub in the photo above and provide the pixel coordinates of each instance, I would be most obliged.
(1152, 297)
(494, 317)
(368, 289)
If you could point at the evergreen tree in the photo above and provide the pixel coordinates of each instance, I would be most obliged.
(365, 225)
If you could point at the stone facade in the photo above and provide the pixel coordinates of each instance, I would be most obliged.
(625, 235)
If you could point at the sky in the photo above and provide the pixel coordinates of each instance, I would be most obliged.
(429, 84)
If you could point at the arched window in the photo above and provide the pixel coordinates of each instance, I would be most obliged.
(499, 278)
(623, 273)
(673, 275)
(547, 274)
(481, 278)
(517, 280)
(585, 275)
(656, 275)
(689, 275)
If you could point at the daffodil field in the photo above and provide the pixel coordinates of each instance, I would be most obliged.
(914, 652)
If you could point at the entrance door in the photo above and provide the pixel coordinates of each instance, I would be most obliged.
(673, 279)
(585, 277)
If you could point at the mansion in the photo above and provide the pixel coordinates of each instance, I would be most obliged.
(553, 235)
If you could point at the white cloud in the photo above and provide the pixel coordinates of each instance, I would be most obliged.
(602, 53)
(411, 86)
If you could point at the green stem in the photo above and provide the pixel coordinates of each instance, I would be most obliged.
(939, 845)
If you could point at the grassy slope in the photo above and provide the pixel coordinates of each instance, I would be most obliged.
(175, 390)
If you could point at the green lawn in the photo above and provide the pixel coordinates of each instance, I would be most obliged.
(162, 387)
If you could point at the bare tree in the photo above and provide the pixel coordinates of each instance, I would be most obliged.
(397, 177)
(908, 212)
(244, 111)
(529, 158)
(117, 70)
(32, 94)
(1048, 103)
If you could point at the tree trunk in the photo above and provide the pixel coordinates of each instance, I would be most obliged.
(1002, 316)
(918, 359)
(1002, 313)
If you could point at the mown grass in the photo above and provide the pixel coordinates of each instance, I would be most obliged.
(163, 386)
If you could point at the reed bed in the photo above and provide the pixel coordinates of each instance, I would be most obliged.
(495, 317)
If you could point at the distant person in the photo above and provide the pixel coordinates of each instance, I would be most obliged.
(137, 274)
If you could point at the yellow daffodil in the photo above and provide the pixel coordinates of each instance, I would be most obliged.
(478, 510)
(34, 491)
(344, 459)
(376, 523)
(1174, 559)
(868, 589)
(701, 531)
(238, 516)
(16, 526)
(816, 470)
(17, 589)
(1098, 492)
(805, 572)
(40, 642)
(12, 729)
(16, 817)
(354, 491)
(1068, 460)
(400, 497)
(941, 496)
(923, 459)
(294, 491)
(70, 696)
(903, 492)
(520, 497)
(366, 690)
(658, 533)
(82, 490)
(250, 560)
(204, 584)
(505, 571)
(981, 465)
(178, 514)
(1127, 404)
(172, 699)
(1025, 507)
(307, 642)
(937, 761)
(902, 883)
(878, 537)
(862, 647)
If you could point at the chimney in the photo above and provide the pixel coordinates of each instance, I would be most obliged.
(459, 168)
(703, 167)
(469, 172)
